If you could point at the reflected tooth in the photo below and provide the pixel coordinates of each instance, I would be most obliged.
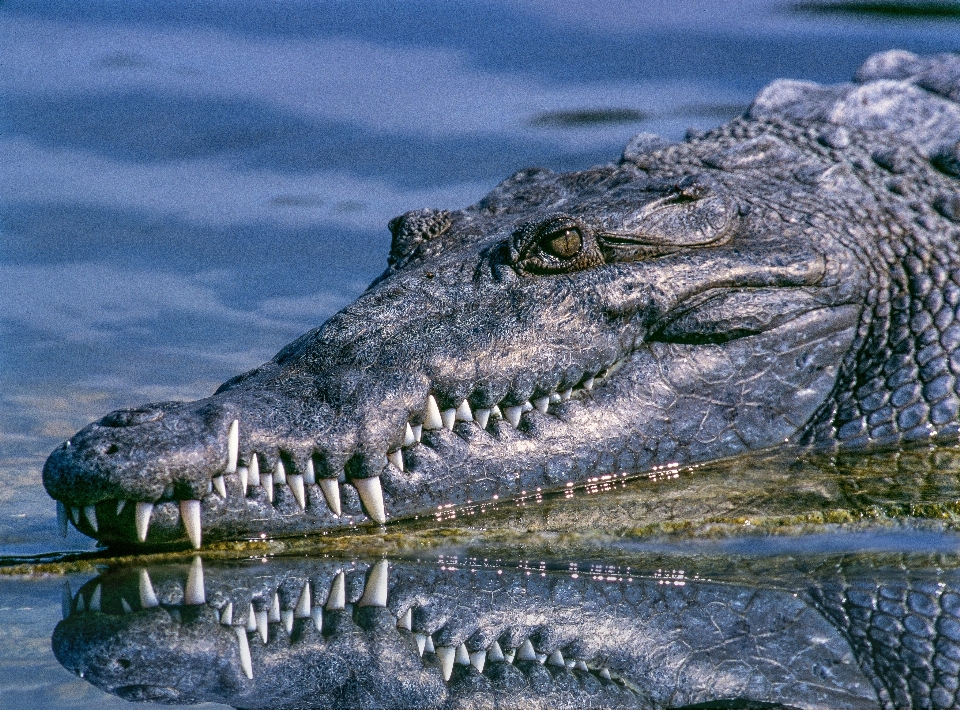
(408, 438)
(417, 432)
(295, 483)
(446, 654)
(337, 599)
(121, 504)
(604, 673)
(406, 620)
(565, 395)
(190, 512)
(286, 616)
(279, 474)
(317, 615)
(233, 445)
(494, 654)
(125, 605)
(251, 624)
(431, 417)
(482, 416)
(463, 412)
(220, 486)
(588, 384)
(96, 598)
(142, 516)
(244, 473)
(331, 492)
(512, 414)
(541, 404)
(266, 480)
(375, 591)
(66, 599)
(478, 659)
(254, 474)
(556, 659)
(302, 610)
(246, 663)
(274, 614)
(555, 397)
(195, 592)
(421, 642)
(526, 652)
(148, 598)
(310, 475)
(262, 627)
(62, 518)
(371, 495)
(90, 513)
(428, 645)
(448, 416)
(226, 616)
(463, 655)
(396, 458)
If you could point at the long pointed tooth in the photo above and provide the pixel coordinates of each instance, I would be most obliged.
(512, 414)
(446, 654)
(428, 645)
(494, 653)
(144, 511)
(286, 616)
(302, 609)
(396, 458)
(90, 513)
(463, 655)
(233, 446)
(121, 504)
(75, 515)
(375, 591)
(279, 473)
(263, 627)
(244, 473)
(482, 416)
(331, 492)
(274, 613)
(66, 600)
(295, 483)
(526, 652)
(220, 486)
(448, 416)
(541, 404)
(62, 518)
(556, 659)
(420, 639)
(246, 663)
(310, 475)
(408, 438)
(148, 598)
(463, 412)
(417, 432)
(371, 495)
(125, 605)
(96, 598)
(266, 480)
(431, 417)
(190, 512)
(337, 598)
(194, 593)
(406, 620)
(254, 474)
(478, 659)
(588, 384)
(251, 624)
(604, 673)
(226, 616)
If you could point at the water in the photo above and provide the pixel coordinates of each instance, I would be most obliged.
(187, 186)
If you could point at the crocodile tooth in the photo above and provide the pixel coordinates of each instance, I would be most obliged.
(295, 483)
(448, 416)
(478, 659)
(142, 516)
(526, 652)
(396, 458)
(495, 412)
(541, 404)
(406, 620)
(121, 504)
(428, 645)
(605, 673)
(302, 610)
(421, 642)
(482, 416)
(554, 398)
(371, 495)
(570, 663)
(331, 492)
(463, 412)
(463, 655)
(494, 653)
(580, 666)
(588, 384)
(512, 414)
(209, 486)
(565, 395)
(279, 474)
(408, 438)
(526, 406)
(274, 614)
(90, 513)
(194, 593)
(190, 512)
(375, 591)
(541, 658)
(337, 599)
(262, 626)
(310, 475)
(431, 417)
(148, 598)
(446, 654)
(251, 624)
(286, 616)
(233, 446)
(266, 480)
(317, 615)
(556, 659)
(246, 663)
(62, 518)
(96, 598)
(75, 515)
(66, 600)
(80, 604)
(509, 655)
(244, 473)
(125, 605)
(220, 486)
(417, 432)
(254, 475)
(226, 616)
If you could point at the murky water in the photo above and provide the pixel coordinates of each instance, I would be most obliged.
(187, 186)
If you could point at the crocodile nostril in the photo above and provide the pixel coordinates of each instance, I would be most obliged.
(113, 449)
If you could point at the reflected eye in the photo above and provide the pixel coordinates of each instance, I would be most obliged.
(562, 243)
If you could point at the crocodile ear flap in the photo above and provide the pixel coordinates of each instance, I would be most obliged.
(691, 212)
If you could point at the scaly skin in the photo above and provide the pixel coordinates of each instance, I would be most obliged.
(792, 275)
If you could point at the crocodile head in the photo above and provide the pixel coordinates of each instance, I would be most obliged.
(674, 307)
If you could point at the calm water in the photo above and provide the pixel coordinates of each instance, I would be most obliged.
(187, 186)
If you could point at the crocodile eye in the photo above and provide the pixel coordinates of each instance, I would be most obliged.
(557, 244)
(562, 243)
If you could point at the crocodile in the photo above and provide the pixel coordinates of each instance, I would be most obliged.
(847, 632)
(791, 276)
